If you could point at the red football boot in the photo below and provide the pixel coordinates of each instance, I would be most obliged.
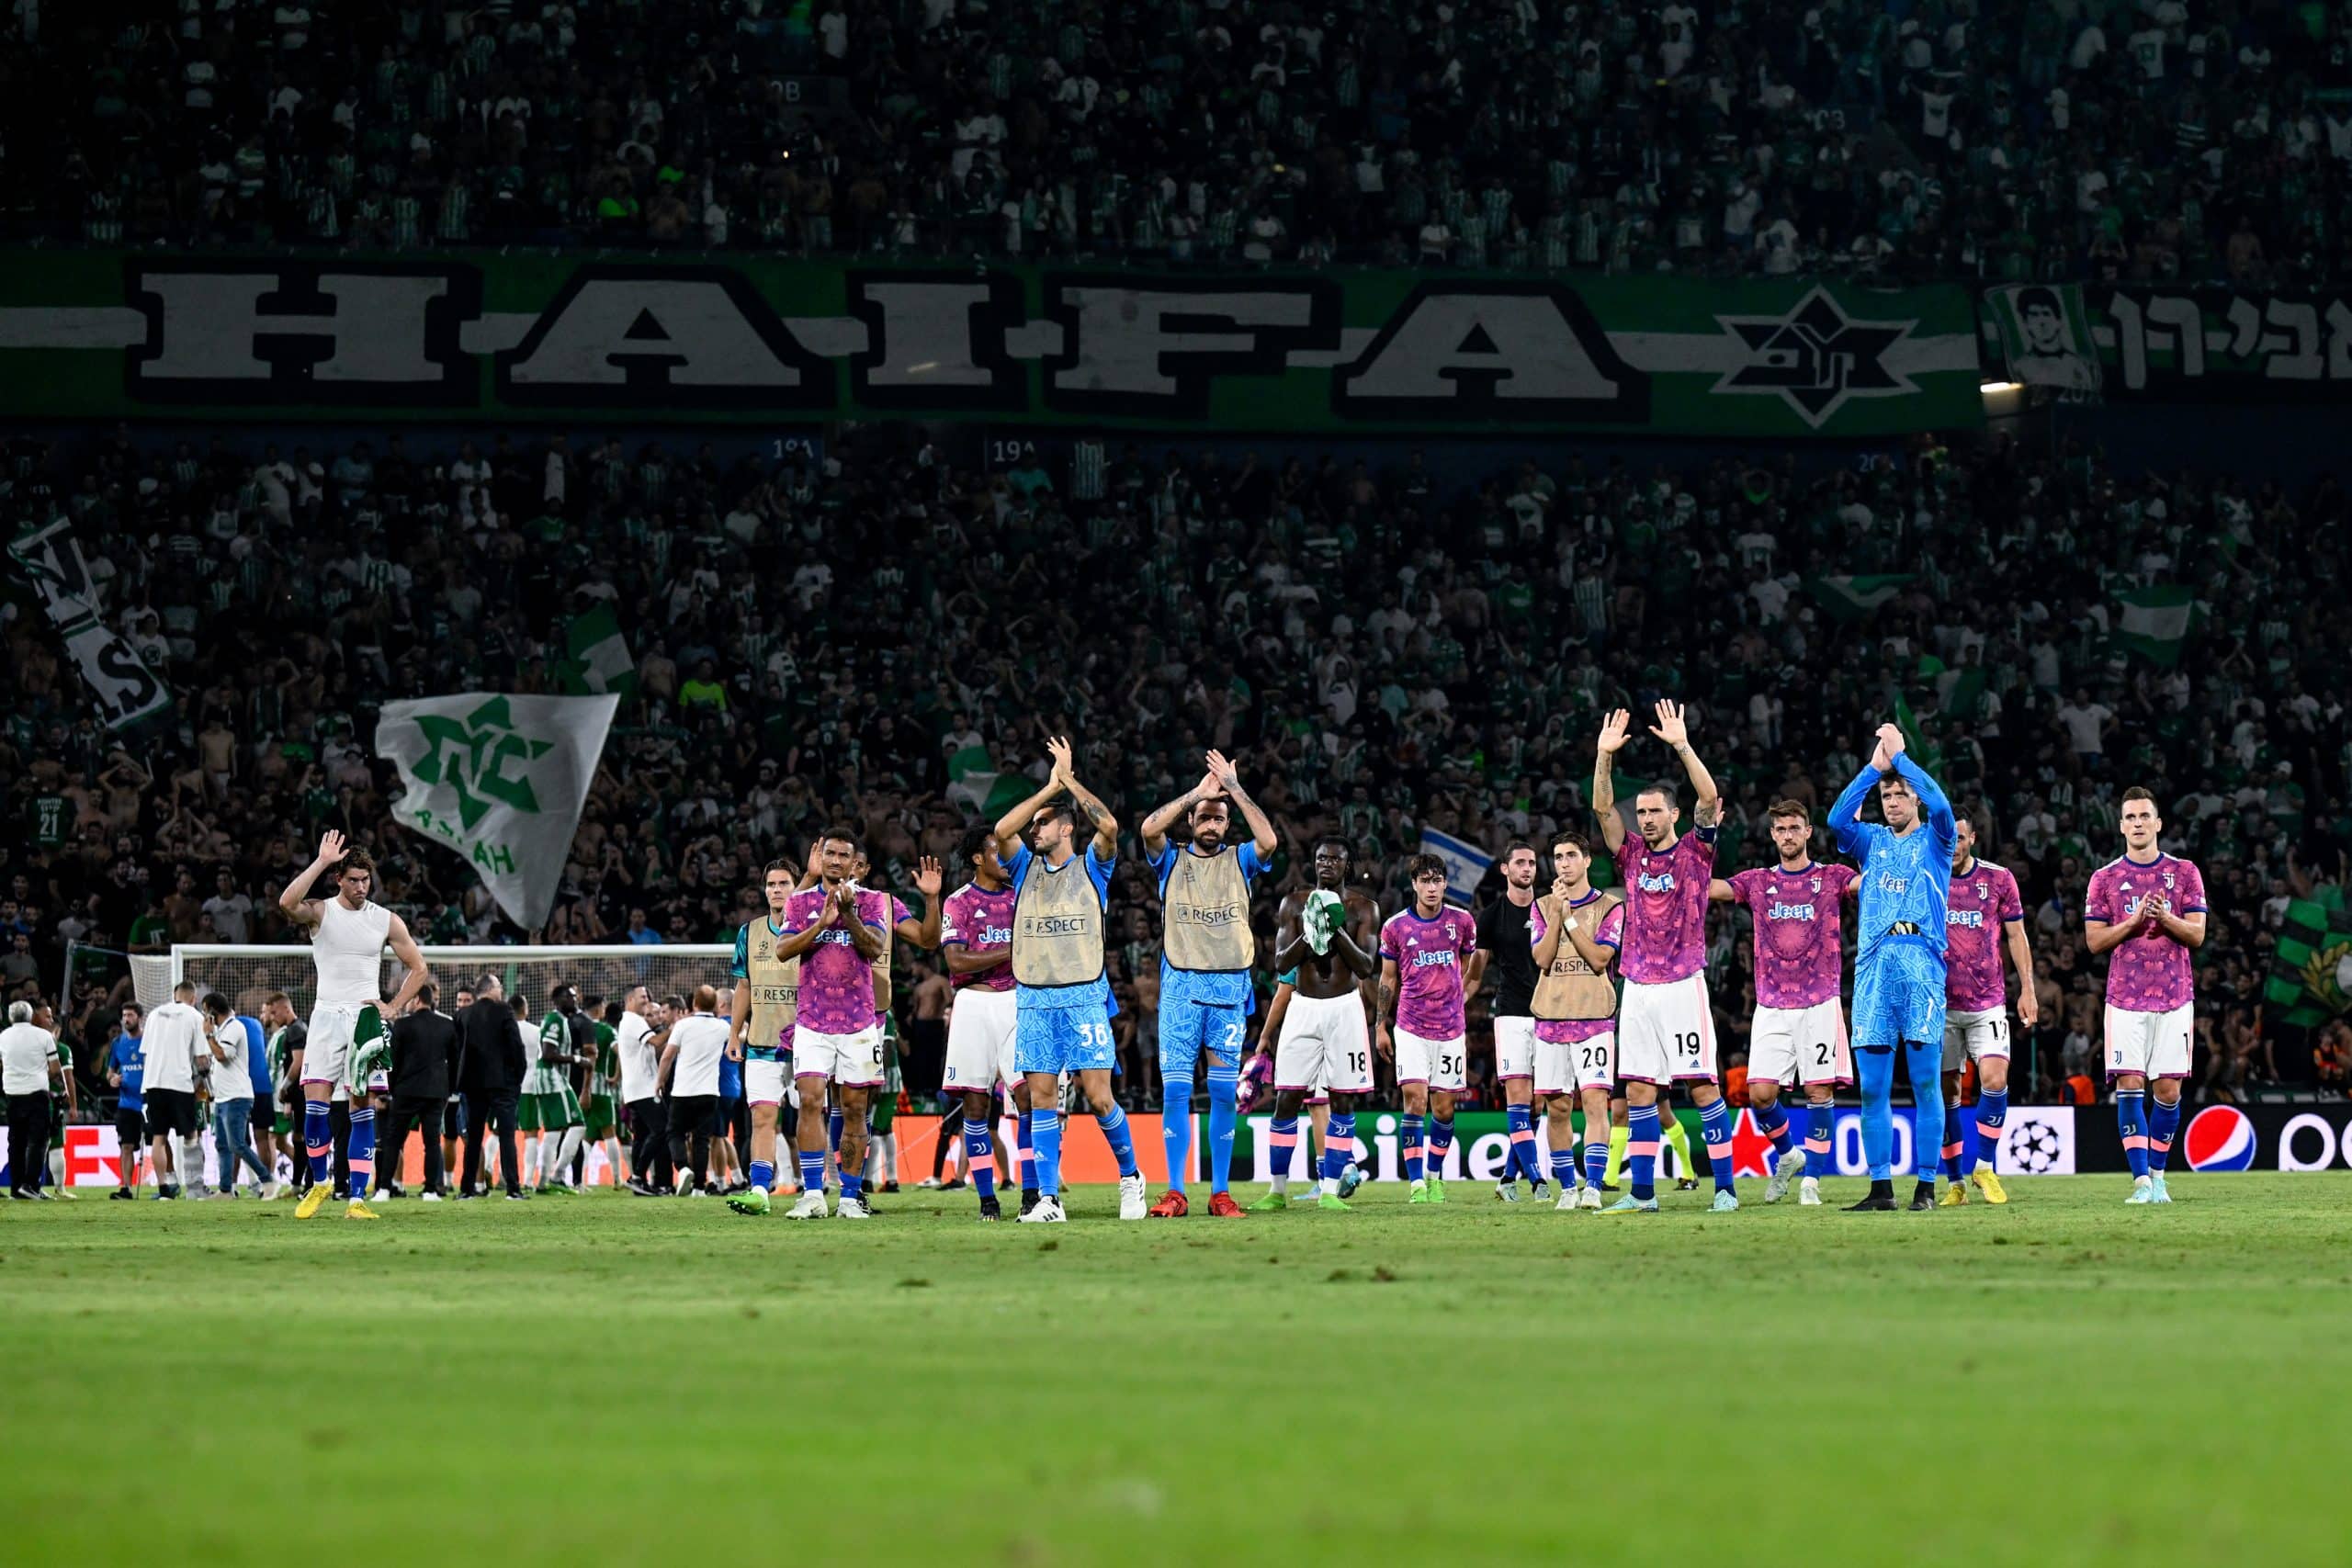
(1221, 1204)
(1174, 1206)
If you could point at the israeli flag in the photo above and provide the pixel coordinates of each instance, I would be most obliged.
(1465, 865)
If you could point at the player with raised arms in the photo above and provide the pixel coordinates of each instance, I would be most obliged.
(836, 930)
(1984, 899)
(1798, 1035)
(1899, 958)
(1666, 1030)
(348, 1043)
(976, 946)
(1423, 951)
(1062, 1001)
(2145, 910)
(759, 1027)
(1206, 954)
(1324, 941)
(1576, 1014)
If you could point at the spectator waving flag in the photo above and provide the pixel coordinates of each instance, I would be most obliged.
(500, 780)
(973, 778)
(2310, 971)
(597, 657)
(2155, 621)
(1851, 599)
(1465, 864)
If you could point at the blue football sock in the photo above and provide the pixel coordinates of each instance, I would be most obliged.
(852, 1185)
(1773, 1122)
(979, 1157)
(1176, 1128)
(1025, 1150)
(2129, 1110)
(1225, 1093)
(1926, 1062)
(1875, 1066)
(1114, 1123)
(1596, 1162)
(1045, 1137)
(1338, 1146)
(359, 1152)
(833, 1131)
(1410, 1134)
(762, 1174)
(1281, 1142)
(318, 1137)
(1441, 1141)
(2164, 1121)
(1714, 1126)
(812, 1172)
(1519, 1120)
(1641, 1150)
(1821, 1127)
(1955, 1150)
(1992, 1113)
(1564, 1164)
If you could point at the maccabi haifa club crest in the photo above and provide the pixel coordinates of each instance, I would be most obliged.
(1815, 357)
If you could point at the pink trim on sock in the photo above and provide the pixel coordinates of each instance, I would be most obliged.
(2135, 1142)
(1817, 1145)
(1640, 1151)
(1988, 1129)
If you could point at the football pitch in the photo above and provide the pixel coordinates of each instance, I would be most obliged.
(609, 1380)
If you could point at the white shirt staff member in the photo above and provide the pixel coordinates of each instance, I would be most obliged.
(28, 1064)
(690, 1064)
(174, 1041)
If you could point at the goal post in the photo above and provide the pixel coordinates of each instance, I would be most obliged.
(247, 973)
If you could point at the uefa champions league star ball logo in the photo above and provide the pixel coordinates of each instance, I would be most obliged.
(2031, 1146)
(2220, 1137)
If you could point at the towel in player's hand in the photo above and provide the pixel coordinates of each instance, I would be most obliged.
(1320, 918)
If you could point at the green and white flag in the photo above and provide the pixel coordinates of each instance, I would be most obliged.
(597, 657)
(2311, 965)
(973, 777)
(500, 780)
(1853, 599)
(124, 692)
(2155, 621)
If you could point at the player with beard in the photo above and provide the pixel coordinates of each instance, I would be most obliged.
(1326, 941)
(765, 1002)
(976, 946)
(1797, 908)
(1984, 900)
(1206, 951)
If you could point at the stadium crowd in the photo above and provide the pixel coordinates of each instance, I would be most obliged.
(1379, 651)
(2164, 140)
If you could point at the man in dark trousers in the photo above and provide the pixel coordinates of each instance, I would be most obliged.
(424, 1062)
(490, 1073)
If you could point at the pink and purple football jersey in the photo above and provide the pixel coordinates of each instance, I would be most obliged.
(836, 980)
(1666, 904)
(2149, 972)
(1981, 904)
(1575, 1030)
(1800, 921)
(974, 917)
(1430, 955)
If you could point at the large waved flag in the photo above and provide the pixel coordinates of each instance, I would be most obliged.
(2310, 969)
(1465, 864)
(2154, 621)
(1847, 598)
(500, 780)
(973, 778)
(596, 656)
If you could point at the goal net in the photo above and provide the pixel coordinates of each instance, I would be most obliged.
(248, 974)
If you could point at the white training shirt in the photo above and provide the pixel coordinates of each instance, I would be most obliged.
(232, 1078)
(349, 949)
(701, 1040)
(175, 1034)
(639, 1066)
(26, 1052)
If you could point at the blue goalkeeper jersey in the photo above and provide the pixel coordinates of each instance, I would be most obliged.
(1906, 878)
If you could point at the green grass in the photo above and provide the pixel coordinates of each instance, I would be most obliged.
(608, 1380)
